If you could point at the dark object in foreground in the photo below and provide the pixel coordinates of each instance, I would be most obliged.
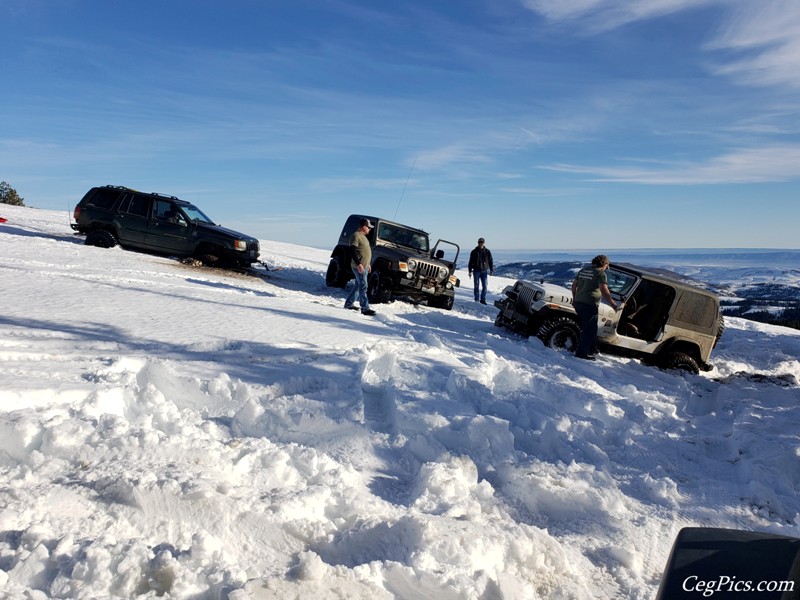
(731, 563)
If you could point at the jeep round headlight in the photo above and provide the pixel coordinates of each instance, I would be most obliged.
(443, 273)
(412, 264)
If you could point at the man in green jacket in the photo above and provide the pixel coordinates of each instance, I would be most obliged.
(588, 287)
(360, 261)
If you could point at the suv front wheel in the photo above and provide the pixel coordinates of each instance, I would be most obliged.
(558, 333)
(443, 301)
(377, 292)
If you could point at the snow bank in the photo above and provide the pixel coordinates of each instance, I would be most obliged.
(168, 431)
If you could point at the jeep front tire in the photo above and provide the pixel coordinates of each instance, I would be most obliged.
(377, 292)
(558, 333)
(444, 301)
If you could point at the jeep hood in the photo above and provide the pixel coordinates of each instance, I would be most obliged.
(550, 289)
(226, 232)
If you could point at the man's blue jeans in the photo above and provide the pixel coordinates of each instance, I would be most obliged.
(588, 314)
(481, 278)
(359, 288)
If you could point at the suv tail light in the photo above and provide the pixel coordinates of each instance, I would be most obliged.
(76, 213)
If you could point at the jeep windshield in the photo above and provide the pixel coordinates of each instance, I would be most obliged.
(195, 214)
(619, 282)
(395, 234)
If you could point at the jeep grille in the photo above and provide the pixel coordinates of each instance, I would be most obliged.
(525, 296)
(427, 270)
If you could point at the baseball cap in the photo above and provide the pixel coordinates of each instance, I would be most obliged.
(366, 222)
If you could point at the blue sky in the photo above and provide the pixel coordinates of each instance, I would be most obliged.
(541, 124)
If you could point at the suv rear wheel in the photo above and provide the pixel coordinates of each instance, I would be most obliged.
(101, 239)
(334, 276)
(558, 333)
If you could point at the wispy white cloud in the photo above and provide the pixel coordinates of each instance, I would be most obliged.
(767, 34)
(764, 36)
(747, 165)
(601, 15)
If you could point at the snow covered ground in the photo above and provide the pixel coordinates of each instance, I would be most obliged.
(179, 432)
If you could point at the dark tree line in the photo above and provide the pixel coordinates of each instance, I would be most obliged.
(8, 195)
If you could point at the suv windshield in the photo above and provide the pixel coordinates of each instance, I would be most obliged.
(195, 214)
(403, 237)
(619, 282)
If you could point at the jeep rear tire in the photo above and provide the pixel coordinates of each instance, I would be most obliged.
(334, 276)
(681, 361)
(101, 239)
(720, 330)
(377, 292)
(559, 333)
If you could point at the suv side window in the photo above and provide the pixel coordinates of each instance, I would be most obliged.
(104, 198)
(696, 309)
(135, 204)
(164, 210)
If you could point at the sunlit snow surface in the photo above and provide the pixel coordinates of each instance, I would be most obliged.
(179, 432)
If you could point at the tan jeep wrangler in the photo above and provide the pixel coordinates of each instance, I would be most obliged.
(664, 320)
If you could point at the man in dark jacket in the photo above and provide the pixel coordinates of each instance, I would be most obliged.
(480, 267)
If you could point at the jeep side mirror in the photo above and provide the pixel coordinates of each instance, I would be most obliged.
(440, 254)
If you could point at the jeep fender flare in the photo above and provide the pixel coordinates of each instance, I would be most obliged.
(678, 346)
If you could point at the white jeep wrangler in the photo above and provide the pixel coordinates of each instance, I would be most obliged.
(664, 320)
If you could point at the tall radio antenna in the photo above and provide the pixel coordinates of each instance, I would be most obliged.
(404, 188)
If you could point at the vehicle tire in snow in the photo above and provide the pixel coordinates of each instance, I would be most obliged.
(681, 361)
(377, 292)
(209, 255)
(334, 276)
(101, 239)
(720, 330)
(443, 301)
(560, 333)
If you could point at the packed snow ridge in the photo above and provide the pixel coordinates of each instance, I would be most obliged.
(178, 432)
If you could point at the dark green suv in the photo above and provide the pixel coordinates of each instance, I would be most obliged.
(111, 215)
